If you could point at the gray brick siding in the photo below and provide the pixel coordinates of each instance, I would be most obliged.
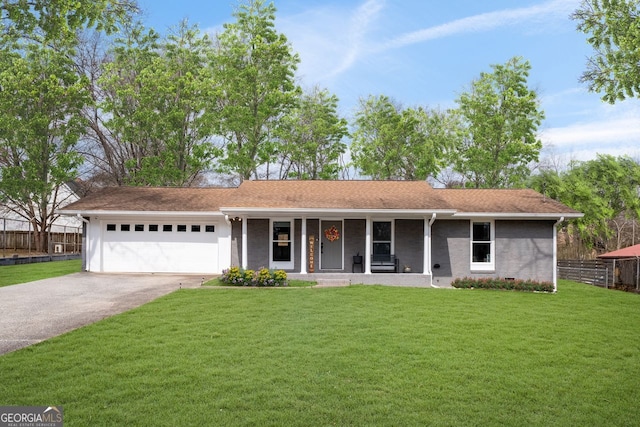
(409, 234)
(449, 250)
(524, 249)
(257, 243)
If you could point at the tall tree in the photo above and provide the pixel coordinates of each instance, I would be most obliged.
(502, 117)
(40, 123)
(255, 69)
(41, 98)
(613, 29)
(311, 137)
(606, 190)
(59, 20)
(391, 142)
(160, 100)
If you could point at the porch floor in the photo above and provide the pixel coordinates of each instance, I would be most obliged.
(388, 279)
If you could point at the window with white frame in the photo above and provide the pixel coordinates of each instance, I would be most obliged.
(482, 245)
(382, 236)
(282, 244)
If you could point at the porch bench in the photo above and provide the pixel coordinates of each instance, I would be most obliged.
(382, 263)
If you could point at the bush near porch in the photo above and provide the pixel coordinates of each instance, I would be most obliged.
(236, 276)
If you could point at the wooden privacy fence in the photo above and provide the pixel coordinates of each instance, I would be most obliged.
(627, 272)
(594, 272)
(17, 236)
(602, 272)
(65, 242)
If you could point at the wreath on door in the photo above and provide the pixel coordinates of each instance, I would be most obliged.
(332, 234)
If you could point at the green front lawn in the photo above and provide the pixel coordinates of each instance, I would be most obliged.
(23, 273)
(360, 355)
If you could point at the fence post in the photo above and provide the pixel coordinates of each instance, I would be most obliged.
(580, 272)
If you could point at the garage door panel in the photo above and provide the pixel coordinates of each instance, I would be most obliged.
(164, 252)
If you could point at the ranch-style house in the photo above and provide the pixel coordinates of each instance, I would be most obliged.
(367, 231)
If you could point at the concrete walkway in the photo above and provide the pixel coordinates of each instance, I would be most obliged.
(35, 311)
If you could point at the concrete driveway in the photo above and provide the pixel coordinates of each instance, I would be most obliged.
(35, 311)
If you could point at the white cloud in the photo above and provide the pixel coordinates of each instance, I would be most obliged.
(614, 131)
(332, 40)
(611, 129)
(358, 29)
(483, 22)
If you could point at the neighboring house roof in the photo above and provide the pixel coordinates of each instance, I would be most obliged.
(155, 199)
(66, 195)
(630, 252)
(416, 197)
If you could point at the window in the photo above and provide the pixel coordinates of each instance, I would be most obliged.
(182, 228)
(382, 236)
(153, 227)
(111, 227)
(167, 227)
(125, 227)
(195, 228)
(282, 244)
(209, 228)
(139, 227)
(482, 245)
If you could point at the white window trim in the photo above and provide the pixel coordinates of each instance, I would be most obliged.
(483, 266)
(283, 265)
(393, 233)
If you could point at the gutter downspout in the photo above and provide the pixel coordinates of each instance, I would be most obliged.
(85, 239)
(555, 254)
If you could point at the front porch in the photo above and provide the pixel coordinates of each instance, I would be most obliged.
(417, 280)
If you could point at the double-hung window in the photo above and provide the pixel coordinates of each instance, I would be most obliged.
(482, 246)
(282, 244)
(382, 239)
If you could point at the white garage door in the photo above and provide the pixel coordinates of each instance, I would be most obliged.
(160, 247)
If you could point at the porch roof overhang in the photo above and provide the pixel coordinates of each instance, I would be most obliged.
(332, 212)
(127, 213)
(517, 215)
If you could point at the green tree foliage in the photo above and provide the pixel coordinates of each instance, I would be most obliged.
(502, 117)
(613, 30)
(390, 142)
(255, 69)
(58, 20)
(605, 190)
(40, 124)
(311, 137)
(160, 97)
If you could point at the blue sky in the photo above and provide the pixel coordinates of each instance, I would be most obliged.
(428, 52)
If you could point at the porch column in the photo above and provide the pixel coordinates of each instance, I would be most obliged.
(245, 249)
(367, 247)
(303, 247)
(428, 222)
